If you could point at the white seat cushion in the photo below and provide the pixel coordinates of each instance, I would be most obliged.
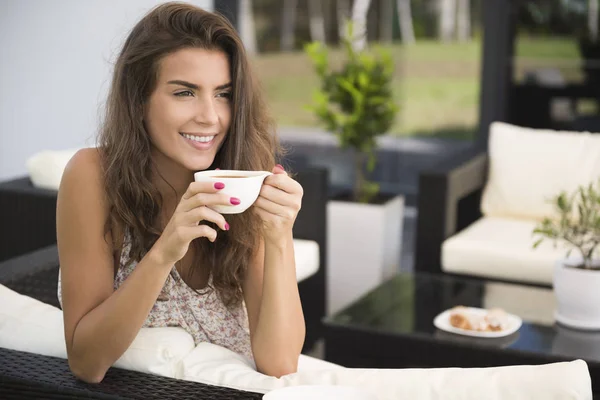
(528, 167)
(501, 248)
(46, 167)
(27, 324)
(306, 253)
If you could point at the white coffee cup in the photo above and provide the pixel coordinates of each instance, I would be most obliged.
(243, 185)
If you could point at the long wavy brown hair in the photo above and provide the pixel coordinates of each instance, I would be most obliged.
(125, 146)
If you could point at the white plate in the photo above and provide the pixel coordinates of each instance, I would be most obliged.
(319, 392)
(442, 321)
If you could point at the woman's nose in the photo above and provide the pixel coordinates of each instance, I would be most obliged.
(207, 113)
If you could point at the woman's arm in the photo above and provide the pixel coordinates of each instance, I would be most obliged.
(275, 314)
(99, 324)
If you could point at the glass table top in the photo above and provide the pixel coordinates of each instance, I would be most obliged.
(408, 303)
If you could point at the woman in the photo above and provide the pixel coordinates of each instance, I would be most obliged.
(139, 245)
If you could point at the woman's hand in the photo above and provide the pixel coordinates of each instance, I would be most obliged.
(278, 204)
(183, 227)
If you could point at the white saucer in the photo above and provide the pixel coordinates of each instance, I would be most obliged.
(442, 321)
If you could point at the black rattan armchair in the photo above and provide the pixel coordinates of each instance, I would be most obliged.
(448, 201)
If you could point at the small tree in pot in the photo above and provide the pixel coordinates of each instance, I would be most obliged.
(576, 281)
(578, 224)
(356, 104)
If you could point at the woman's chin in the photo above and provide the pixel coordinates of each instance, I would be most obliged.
(199, 165)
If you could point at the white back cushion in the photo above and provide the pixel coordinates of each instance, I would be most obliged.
(528, 167)
(46, 167)
(214, 365)
(306, 255)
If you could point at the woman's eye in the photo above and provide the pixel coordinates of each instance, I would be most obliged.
(185, 93)
(226, 95)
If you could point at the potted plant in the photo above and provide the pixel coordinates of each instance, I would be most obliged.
(355, 102)
(576, 278)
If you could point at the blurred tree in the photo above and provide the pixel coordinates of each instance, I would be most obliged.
(316, 21)
(247, 27)
(405, 20)
(386, 20)
(593, 19)
(360, 8)
(288, 25)
(343, 13)
(463, 20)
(447, 19)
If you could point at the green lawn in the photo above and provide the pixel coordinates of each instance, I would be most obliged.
(436, 84)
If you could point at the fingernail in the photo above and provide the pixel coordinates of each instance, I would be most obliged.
(216, 169)
(226, 226)
(219, 185)
(235, 201)
(280, 166)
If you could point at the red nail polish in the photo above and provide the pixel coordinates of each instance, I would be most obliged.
(235, 201)
(226, 226)
(219, 185)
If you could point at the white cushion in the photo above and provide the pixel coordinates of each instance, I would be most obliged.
(528, 167)
(306, 254)
(215, 365)
(46, 167)
(27, 324)
(501, 248)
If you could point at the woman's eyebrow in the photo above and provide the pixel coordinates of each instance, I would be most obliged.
(184, 83)
(224, 86)
(196, 87)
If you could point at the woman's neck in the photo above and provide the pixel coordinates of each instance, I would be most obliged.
(169, 176)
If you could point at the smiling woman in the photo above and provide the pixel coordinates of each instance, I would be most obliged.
(140, 242)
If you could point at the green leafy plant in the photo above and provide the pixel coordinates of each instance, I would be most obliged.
(355, 103)
(577, 223)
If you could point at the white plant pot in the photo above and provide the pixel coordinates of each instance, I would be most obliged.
(364, 243)
(577, 295)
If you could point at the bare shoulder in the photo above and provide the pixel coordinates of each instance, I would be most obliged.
(82, 192)
(82, 208)
(86, 166)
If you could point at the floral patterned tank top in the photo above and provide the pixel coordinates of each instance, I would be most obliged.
(201, 313)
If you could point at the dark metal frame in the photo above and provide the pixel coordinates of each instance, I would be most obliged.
(449, 201)
(28, 216)
(499, 17)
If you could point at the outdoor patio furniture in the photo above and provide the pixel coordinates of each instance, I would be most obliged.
(477, 210)
(27, 375)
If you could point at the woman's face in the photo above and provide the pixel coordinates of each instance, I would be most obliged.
(189, 112)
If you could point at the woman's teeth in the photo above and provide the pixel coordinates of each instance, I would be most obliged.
(201, 139)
